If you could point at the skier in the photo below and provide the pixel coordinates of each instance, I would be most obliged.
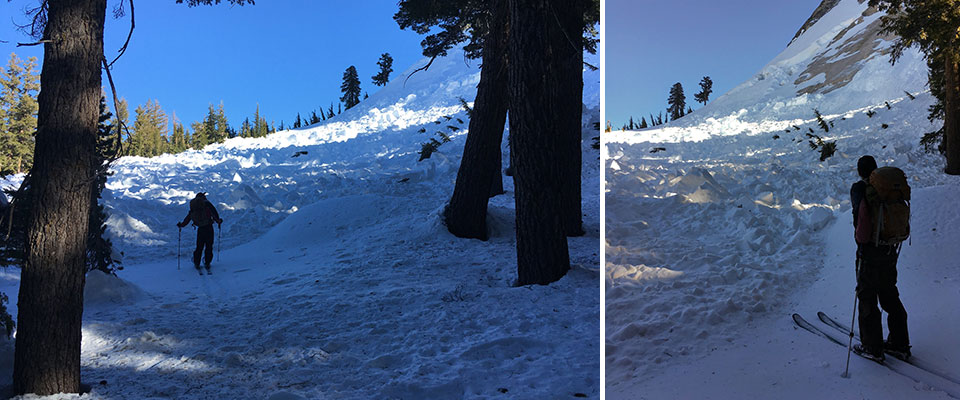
(876, 278)
(203, 214)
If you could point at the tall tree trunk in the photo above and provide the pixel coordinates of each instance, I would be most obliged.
(542, 254)
(479, 175)
(47, 356)
(568, 23)
(951, 112)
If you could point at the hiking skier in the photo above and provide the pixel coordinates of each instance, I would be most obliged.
(879, 236)
(203, 214)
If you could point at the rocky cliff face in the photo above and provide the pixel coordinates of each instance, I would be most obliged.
(824, 7)
(845, 54)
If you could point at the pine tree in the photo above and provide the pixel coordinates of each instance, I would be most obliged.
(350, 88)
(149, 130)
(330, 113)
(386, 67)
(630, 125)
(180, 140)
(643, 123)
(932, 26)
(296, 124)
(220, 127)
(245, 128)
(100, 249)
(314, 119)
(706, 87)
(677, 101)
(19, 85)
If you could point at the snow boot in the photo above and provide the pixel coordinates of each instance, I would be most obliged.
(875, 355)
(899, 351)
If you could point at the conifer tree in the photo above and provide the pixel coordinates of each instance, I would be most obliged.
(932, 26)
(643, 123)
(330, 113)
(350, 88)
(314, 118)
(296, 124)
(149, 130)
(180, 140)
(19, 85)
(677, 101)
(386, 67)
(706, 87)
(100, 249)
(245, 129)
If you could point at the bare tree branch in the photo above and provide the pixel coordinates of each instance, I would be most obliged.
(133, 23)
(37, 43)
(423, 68)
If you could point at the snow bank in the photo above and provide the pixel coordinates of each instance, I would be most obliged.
(102, 288)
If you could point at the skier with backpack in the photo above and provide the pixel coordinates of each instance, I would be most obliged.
(881, 220)
(203, 214)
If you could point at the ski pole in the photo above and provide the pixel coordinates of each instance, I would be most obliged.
(852, 321)
(219, 242)
(178, 247)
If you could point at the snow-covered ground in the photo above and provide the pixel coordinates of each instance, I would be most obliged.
(715, 239)
(337, 278)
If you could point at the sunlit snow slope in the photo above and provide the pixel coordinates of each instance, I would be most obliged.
(715, 239)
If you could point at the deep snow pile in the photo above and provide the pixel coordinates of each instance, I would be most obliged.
(722, 223)
(337, 279)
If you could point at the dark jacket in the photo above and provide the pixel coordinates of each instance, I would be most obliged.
(862, 219)
(201, 206)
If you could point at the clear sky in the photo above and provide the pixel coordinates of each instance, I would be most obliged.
(289, 56)
(650, 45)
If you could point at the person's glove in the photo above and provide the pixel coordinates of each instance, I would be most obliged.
(219, 221)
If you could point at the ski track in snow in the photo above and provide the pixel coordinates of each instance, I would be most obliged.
(714, 240)
(337, 279)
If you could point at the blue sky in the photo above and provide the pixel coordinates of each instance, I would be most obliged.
(289, 56)
(650, 45)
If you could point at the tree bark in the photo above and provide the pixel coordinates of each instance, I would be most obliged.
(47, 355)
(534, 75)
(568, 18)
(951, 113)
(479, 177)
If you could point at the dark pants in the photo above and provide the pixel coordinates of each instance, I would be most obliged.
(877, 282)
(204, 242)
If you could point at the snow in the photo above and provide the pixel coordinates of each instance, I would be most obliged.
(713, 243)
(337, 278)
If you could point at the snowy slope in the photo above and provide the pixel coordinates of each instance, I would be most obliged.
(337, 279)
(713, 242)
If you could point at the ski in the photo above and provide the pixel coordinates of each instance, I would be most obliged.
(913, 372)
(912, 360)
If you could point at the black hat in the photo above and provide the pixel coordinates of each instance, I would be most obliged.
(866, 165)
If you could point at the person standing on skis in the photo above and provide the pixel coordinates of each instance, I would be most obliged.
(876, 274)
(203, 214)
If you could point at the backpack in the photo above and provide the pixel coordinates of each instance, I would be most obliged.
(200, 213)
(888, 196)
